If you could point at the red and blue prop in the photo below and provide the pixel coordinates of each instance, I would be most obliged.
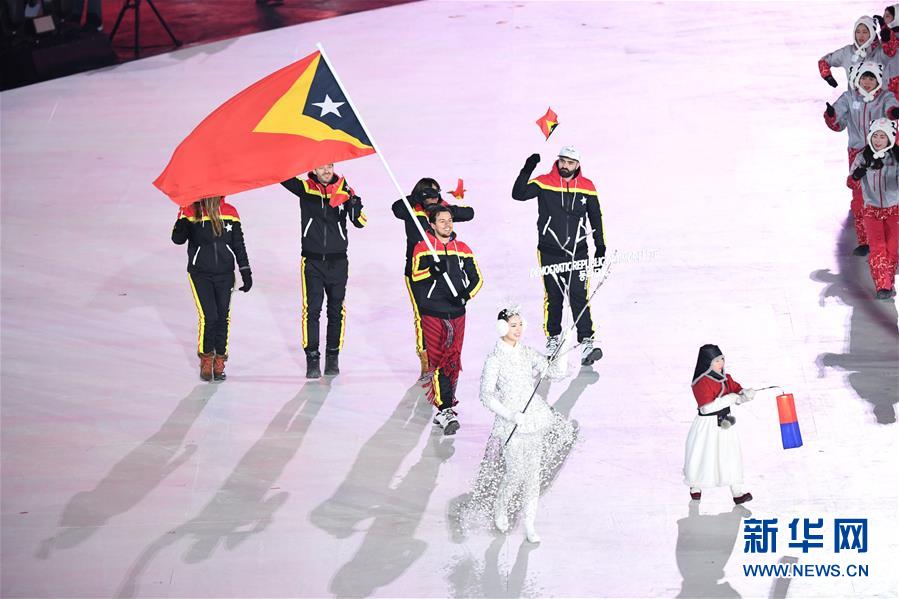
(789, 424)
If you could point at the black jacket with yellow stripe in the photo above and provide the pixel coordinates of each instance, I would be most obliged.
(460, 214)
(567, 211)
(206, 253)
(432, 294)
(324, 227)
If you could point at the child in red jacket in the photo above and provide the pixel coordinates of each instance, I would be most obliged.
(713, 457)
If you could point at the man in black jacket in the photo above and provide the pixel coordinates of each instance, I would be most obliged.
(425, 194)
(443, 309)
(326, 204)
(567, 213)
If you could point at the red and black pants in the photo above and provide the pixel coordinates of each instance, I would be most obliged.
(443, 340)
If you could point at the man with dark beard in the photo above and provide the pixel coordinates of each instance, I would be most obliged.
(567, 213)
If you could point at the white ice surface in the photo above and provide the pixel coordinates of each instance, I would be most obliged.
(700, 125)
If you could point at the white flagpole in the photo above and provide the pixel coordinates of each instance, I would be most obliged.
(374, 145)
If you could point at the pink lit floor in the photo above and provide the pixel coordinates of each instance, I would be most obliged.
(123, 475)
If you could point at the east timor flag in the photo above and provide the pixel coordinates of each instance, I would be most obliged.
(548, 122)
(341, 193)
(292, 121)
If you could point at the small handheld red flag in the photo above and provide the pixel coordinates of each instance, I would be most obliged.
(341, 193)
(459, 192)
(548, 122)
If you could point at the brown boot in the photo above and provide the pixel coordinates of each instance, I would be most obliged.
(206, 366)
(423, 356)
(218, 368)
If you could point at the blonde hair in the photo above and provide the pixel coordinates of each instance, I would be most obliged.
(211, 206)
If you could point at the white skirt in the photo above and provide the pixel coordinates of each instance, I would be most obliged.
(712, 457)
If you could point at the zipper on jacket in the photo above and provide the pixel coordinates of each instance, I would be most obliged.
(325, 225)
(215, 249)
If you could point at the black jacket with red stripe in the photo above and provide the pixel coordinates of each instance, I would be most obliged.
(432, 294)
(206, 253)
(324, 227)
(567, 211)
(460, 214)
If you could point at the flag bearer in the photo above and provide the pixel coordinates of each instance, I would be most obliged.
(326, 204)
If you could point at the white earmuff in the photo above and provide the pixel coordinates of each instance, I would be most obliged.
(502, 327)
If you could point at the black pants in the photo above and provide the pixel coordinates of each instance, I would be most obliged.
(555, 288)
(212, 294)
(321, 278)
(416, 319)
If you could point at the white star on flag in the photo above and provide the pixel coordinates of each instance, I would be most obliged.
(329, 106)
(228, 227)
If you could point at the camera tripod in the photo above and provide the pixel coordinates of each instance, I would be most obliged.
(135, 4)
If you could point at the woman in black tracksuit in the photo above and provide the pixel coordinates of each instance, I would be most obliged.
(211, 228)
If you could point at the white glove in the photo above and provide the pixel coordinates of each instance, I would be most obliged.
(519, 417)
(500, 410)
(746, 395)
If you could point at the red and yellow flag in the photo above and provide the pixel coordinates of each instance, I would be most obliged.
(292, 121)
(548, 122)
(459, 192)
(341, 193)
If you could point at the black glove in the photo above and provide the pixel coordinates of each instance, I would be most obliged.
(437, 269)
(532, 161)
(893, 113)
(600, 252)
(877, 164)
(181, 231)
(830, 111)
(831, 81)
(247, 277)
(462, 298)
(880, 22)
(868, 155)
(858, 173)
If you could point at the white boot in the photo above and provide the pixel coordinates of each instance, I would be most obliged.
(530, 514)
(501, 518)
(500, 509)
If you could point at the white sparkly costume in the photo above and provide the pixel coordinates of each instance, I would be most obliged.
(511, 477)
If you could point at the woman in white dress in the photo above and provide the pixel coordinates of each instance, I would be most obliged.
(712, 457)
(512, 475)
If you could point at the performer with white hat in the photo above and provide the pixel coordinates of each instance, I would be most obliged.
(568, 213)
